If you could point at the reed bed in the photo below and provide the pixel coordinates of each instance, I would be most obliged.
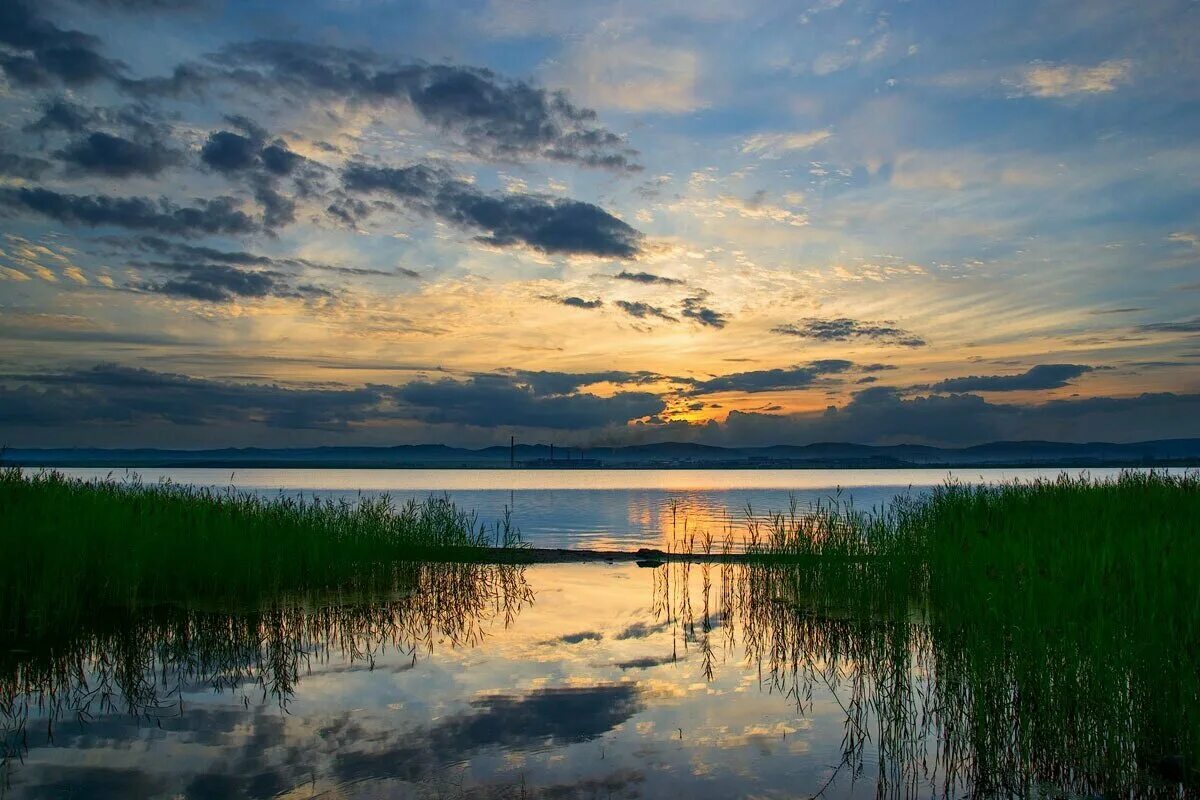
(1035, 637)
(75, 548)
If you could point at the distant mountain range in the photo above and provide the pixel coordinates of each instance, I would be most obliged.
(1168, 452)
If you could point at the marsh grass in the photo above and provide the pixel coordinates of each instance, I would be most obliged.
(1036, 639)
(75, 548)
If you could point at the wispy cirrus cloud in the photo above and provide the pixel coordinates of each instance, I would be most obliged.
(1044, 79)
(775, 145)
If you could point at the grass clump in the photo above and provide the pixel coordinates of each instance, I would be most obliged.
(73, 548)
(1057, 624)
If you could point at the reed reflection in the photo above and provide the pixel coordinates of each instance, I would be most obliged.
(141, 661)
(940, 697)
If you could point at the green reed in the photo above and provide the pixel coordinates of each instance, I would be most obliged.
(72, 548)
(1016, 639)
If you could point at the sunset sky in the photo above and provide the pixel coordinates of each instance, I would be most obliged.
(372, 222)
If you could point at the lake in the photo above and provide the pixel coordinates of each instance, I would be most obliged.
(587, 680)
(601, 509)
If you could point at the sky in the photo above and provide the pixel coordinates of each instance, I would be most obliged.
(373, 223)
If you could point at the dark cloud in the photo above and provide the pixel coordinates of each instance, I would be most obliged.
(883, 415)
(111, 394)
(548, 224)
(545, 382)
(179, 250)
(1042, 376)
(262, 165)
(645, 277)
(1183, 326)
(579, 302)
(693, 309)
(216, 216)
(767, 380)
(143, 6)
(491, 115)
(498, 401)
(117, 157)
(843, 329)
(229, 152)
(644, 310)
(46, 53)
(60, 114)
(220, 283)
(25, 167)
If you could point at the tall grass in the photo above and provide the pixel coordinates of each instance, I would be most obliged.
(1028, 635)
(72, 548)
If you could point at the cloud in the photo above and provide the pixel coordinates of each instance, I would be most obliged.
(769, 380)
(637, 76)
(882, 415)
(230, 152)
(214, 216)
(646, 277)
(499, 401)
(1066, 80)
(1185, 237)
(113, 394)
(644, 310)
(692, 309)
(60, 114)
(219, 283)
(180, 250)
(1042, 376)
(551, 225)
(118, 157)
(843, 329)
(773, 145)
(110, 394)
(1183, 326)
(490, 115)
(46, 53)
(545, 383)
(579, 302)
(25, 167)
(262, 165)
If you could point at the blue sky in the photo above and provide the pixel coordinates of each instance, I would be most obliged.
(377, 222)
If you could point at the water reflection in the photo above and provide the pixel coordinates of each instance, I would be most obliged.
(574, 681)
(942, 699)
(141, 663)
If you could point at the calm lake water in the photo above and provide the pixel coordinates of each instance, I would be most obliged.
(601, 509)
(583, 680)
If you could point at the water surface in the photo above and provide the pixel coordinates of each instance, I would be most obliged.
(582, 681)
(603, 509)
